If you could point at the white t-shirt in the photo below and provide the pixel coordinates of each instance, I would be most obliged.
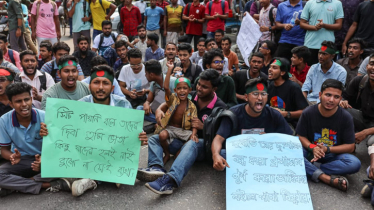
(132, 80)
(107, 41)
(141, 6)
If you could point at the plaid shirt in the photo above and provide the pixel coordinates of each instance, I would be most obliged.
(130, 20)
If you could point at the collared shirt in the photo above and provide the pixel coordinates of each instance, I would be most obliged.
(351, 72)
(141, 5)
(195, 57)
(174, 18)
(78, 24)
(115, 100)
(302, 76)
(47, 67)
(130, 20)
(85, 62)
(285, 13)
(26, 140)
(15, 13)
(265, 21)
(173, 102)
(329, 11)
(36, 84)
(142, 46)
(15, 57)
(216, 7)
(10, 65)
(163, 63)
(195, 28)
(157, 55)
(4, 108)
(316, 77)
(116, 91)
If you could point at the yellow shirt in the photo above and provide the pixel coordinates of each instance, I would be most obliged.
(98, 13)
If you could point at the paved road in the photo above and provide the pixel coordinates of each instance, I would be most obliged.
(202, 188)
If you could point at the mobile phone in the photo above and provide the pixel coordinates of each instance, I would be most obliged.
(139, 91)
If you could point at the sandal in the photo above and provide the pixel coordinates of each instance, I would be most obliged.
(340, 182)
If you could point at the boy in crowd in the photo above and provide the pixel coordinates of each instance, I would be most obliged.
(141, 41)
(121, 49)
(229, 54)
(199, 53)
(9, 55)
(84, 54)
(186, 68)
(170, 55)
(45, 53)
(299, 67)
(153, 51)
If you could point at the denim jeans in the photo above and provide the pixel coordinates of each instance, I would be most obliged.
(190, 152)
(331, 164)
(95, 33)
(150, 117)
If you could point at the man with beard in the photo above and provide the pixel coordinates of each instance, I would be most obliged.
(284, 95)
(69, 88)
(84, 55)
(152, 16)
(352, 62)
(325, 69)
(253, 118)
(211, 44)
(6, 78)
(170, 55)
(214, 59)
(45, 52)
(39, 81)
(153, 51)
(141, 41)
(327, 135)
(205, 101)
(240, 78)
(121, 49)
(185, 68)
(103, 42)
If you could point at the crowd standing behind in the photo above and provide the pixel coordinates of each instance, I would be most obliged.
(311, 74)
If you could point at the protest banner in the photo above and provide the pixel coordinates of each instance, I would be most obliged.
(266, 172)
(87, 140)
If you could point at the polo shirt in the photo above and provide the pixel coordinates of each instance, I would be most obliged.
(351, 72)
(26, 140)
(204, 112)
(153, 18)
(78, 24)
(302, 76)
(316, 77)
(285, 13)
(195, 28)
(47, 67)
(215, 24)
(98, 12)
(157, 55)
(329, 11)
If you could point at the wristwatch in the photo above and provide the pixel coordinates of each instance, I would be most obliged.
(270, 28)
(328, 150)
(288, 114)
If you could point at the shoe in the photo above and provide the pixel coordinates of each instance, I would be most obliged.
(118, 185)
(80, 186)
(162, 186)
(60, 185)
(367, 189)
(150, 174)
(149, 128)
(5, 192)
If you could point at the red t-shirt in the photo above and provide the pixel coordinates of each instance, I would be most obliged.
(198, 12)
(302, 76)
(218, 23)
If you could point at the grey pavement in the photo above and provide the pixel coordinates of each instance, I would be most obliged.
(202, 188)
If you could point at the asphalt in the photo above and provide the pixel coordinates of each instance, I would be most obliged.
(202, 188)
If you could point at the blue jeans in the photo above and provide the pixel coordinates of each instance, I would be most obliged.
(190, 152)
(150, 117)
(211, 35)
(95, 33)
(331, 164)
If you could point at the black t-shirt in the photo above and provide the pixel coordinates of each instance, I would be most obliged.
(240, 78)
(204, 113)
(270, 121)
(188, 73)
(287, 97)
(265, 69)
(4, 109)
(364, 17)
(335, 130)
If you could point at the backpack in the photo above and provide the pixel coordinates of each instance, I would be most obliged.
(102, 39)
(276, 33)
(222, 5)
(84, 11)
(42, 80)
(11, 56)
(211, 125)
(361, 86)
(38, 7)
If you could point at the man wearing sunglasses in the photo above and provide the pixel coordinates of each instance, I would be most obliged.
(252, 118)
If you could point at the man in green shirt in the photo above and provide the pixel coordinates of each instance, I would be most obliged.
(16, 26)
(69, 87)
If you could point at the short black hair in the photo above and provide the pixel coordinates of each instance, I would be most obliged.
(210, 55)
(256, 54)
(370, 56)
(172, 43)
(140, 27)
(3, 38)
(182, 39)
(26, 52)
(47, 44)
(185, 46)
(153, 66)
(212, 76)
(226, 38)
(65, 58)
(360, 41)
(329, 44)
(60, 46)
(12, 73)
(134, 53)
(202, 39)
(220, 31)
(254, 81)
(103, 68)
(82, 38)
(301, 52)
(207, 41)
(120, 43)
(153, 37)
(272, 47)
(106, 22)
(284, 67)
(17, 88)
(332, 83)
(98, 60)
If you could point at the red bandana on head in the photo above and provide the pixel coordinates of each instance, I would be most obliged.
(260, 86)
(100, 73)
(70, 62)
(324, 48)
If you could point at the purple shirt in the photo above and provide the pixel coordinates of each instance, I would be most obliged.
(254, 10)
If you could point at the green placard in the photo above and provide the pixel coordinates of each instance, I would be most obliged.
(87, 140)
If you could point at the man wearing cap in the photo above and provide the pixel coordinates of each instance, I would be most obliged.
(69, 87)
(6, 78)
(101, 87)
(253, 118)
(285, 95)
(325, 69)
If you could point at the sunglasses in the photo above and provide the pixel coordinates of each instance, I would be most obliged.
(219, 62)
